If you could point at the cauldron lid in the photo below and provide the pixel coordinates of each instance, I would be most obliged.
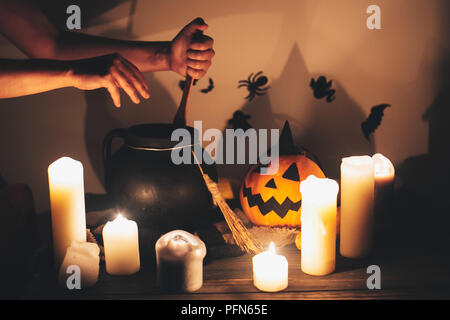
(157, 136)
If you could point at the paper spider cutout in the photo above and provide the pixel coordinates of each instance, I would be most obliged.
(255, 84)
(321, 88)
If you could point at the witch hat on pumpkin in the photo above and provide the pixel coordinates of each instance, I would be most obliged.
(287, 146)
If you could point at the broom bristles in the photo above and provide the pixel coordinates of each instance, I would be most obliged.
(242, 237)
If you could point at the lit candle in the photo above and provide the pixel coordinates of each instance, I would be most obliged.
(65, 179)
(357, 204)
(85, 257)
(179, 258)
(384, 173)
(121, 244)
(318, 216)
(384, 170)
(270, 271)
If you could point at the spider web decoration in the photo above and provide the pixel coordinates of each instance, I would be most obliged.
(322, 88)
(255, 85)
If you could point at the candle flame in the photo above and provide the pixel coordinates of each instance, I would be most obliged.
(120, 217)
(272, 247)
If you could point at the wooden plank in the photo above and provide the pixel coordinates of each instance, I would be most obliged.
(385, 294)
(409, 276)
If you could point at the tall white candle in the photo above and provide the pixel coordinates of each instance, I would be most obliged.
(270, 271)
(318, 216)
(121, 244)
(179, 257)
(357, 204)
(66, 186)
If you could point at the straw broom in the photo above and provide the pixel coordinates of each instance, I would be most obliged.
(242, 237)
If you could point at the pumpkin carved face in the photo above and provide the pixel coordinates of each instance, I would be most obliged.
(275, 199)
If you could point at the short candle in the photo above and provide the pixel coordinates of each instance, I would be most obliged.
(179, 258)
(318, 216)
(270, 271)
(121, 244)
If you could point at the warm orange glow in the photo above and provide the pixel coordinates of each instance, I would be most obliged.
(383, 167)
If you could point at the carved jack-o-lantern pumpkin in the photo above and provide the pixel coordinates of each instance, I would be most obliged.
(275, 199)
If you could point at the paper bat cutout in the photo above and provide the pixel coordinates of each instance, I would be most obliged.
(321, 88)
(210, 87)
(182, 82)
(239, 121)
(374, 120)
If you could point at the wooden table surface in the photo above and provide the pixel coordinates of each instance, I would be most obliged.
(412, 251)
(417, 273)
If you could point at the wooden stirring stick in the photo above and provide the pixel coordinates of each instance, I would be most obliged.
(180, 117)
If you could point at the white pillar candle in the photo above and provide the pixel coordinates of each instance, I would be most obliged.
(318, 216)
(270, 271)
(121, 244)
(66, 186)
(357, 204)
(384, 170)
(179, 258)
(85, 257)
(384, 173)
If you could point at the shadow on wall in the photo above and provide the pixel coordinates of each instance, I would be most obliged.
(423, 186)
(334, 131)
(329, 130)
(102, 117)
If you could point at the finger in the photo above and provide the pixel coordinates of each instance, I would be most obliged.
(201, 55)
(195, 73)
(138, 83)
(137, 73)
(198, 64)
(194, 25)
(113, 90)
(125, 84)
(205, 43)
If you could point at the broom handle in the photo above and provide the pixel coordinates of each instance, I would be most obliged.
(180, 117)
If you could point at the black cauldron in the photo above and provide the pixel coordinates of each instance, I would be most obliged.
(148, 187)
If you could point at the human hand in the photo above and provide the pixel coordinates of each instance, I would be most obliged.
(191, 51)
(112, 72)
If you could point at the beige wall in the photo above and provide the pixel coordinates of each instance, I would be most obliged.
(291, 41)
